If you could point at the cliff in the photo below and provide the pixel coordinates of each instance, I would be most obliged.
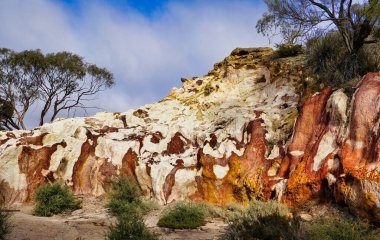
(230, 136)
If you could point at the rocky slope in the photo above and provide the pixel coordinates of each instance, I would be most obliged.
(229, 136)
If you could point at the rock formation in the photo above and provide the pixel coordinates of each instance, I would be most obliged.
(230, 136)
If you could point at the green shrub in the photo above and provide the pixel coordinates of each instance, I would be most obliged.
(229, 212)
(183, 215)
(126, 189)
(289, 50)
(269, 227)
(4, 224)
(54, 199)
(130, 226)
(335, 66)
(127, 206)
(124, 194)
(234, 211)
(263, 220)
(335, 228)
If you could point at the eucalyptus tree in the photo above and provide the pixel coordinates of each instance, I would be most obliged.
(54, 82)
(297, 20)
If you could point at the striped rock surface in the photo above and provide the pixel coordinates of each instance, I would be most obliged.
(230, 136)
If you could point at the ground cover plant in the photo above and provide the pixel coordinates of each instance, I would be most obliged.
(53, 199)
(183, 215)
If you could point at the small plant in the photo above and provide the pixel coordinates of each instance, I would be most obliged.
(263, 220)
(126, 194)
(54, 199)
(183, 215)
(289, 50)
(338, 228)
(4, 224)
(130, 226)
(127, 206)
(229, 212)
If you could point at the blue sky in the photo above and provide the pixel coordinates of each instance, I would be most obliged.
(148, 44)
(146, 7)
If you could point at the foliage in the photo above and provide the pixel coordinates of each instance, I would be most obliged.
(229, 212)
(297, 20)
(54, 199)
(259, 208)
(6, 112)
(271, 220)
(61, 81)
(338, 228)
(267, 227)
(183, 215)
(130, 225)
(4, 224)
(289, 50)
(334, 65)
(127, 206)
(263, 220)
(125, 195)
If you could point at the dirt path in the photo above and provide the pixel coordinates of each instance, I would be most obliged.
(92, 222)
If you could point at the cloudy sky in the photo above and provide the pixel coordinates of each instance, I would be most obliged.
(148, 44)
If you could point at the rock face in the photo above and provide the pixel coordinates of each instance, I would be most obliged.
(230, 136)
(335, 150)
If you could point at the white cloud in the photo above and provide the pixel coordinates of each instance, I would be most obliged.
(147, 55)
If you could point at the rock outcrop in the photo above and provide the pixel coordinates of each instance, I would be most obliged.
(334, 150)
(230, 136)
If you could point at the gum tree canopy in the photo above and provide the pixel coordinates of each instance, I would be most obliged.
(57, 81)
(297, 19)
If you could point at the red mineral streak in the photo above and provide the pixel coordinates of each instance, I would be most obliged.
(32, 162)
(83, 167)
(177, 144)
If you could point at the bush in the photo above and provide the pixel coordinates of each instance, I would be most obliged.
(126, 189)
(342, 229)
(229, 212)
(263, 220)
(270, 227)
(124, 194)
(127, 206)
(289, 50)
(54, 199)
(335, 66)
(183, 215)
(4, 224)
(130, 226)
(271, 220)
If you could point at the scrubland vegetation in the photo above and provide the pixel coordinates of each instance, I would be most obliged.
(183, 215)
(272, 220)
(127, 206)
(54, 199)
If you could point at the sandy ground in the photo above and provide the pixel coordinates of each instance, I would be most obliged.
(92, 222)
